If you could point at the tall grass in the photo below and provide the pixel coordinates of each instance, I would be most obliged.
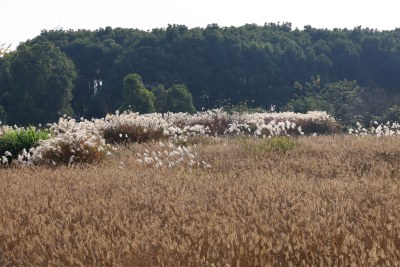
(328, 201)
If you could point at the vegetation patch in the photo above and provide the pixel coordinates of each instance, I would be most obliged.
(333, 202)
(16, 140)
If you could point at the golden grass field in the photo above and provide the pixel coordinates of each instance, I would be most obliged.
(331, 201)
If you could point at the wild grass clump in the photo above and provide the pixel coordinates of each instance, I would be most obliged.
(71, 148)
(171, 156)
(376, 129)
(132, 133)
(194, 140)
(130, 127)
(18, 139)
(214, 122)
(83, 141)
(320, 127)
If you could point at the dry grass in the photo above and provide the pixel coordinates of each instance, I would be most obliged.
(329, 201)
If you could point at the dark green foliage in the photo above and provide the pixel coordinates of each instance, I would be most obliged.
(179, 99)
(136, 96)
(176, 99)
(42, 79)
(341, 99)
(15, 141)
(392, 114)
(160, 94)
(242, 107)
(257, 64)
(2, 114)
(5, 86)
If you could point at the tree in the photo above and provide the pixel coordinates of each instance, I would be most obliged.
(341, 99)
(225, 64)
(160, 94)
(392, 114)
(179, 99)
(136, 96)
(5, 85)
(42, 80)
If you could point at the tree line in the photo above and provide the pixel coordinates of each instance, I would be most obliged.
(352, 73)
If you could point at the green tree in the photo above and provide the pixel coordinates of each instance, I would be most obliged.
(179, 99)
(42, 80)
(392, 114)
(136, 96)
(252, 63)
(5, 86)
(341, 99)
(160, 94)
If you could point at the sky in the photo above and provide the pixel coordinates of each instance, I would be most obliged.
(21, 20)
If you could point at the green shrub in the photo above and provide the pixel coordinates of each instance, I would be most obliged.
(16, 140)
(280, 144)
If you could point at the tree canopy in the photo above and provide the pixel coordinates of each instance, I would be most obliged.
(41, 80)
(248, 64)
(136, 96)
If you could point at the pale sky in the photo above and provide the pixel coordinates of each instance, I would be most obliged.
(24, 19)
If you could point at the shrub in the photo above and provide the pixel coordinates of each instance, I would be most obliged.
(18, 139)
(280, 144)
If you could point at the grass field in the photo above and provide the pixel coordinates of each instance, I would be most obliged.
(332, 200)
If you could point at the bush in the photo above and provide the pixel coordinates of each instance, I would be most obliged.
(16, 140)
(280, 144)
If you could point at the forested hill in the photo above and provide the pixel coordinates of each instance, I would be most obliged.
(81, 72)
